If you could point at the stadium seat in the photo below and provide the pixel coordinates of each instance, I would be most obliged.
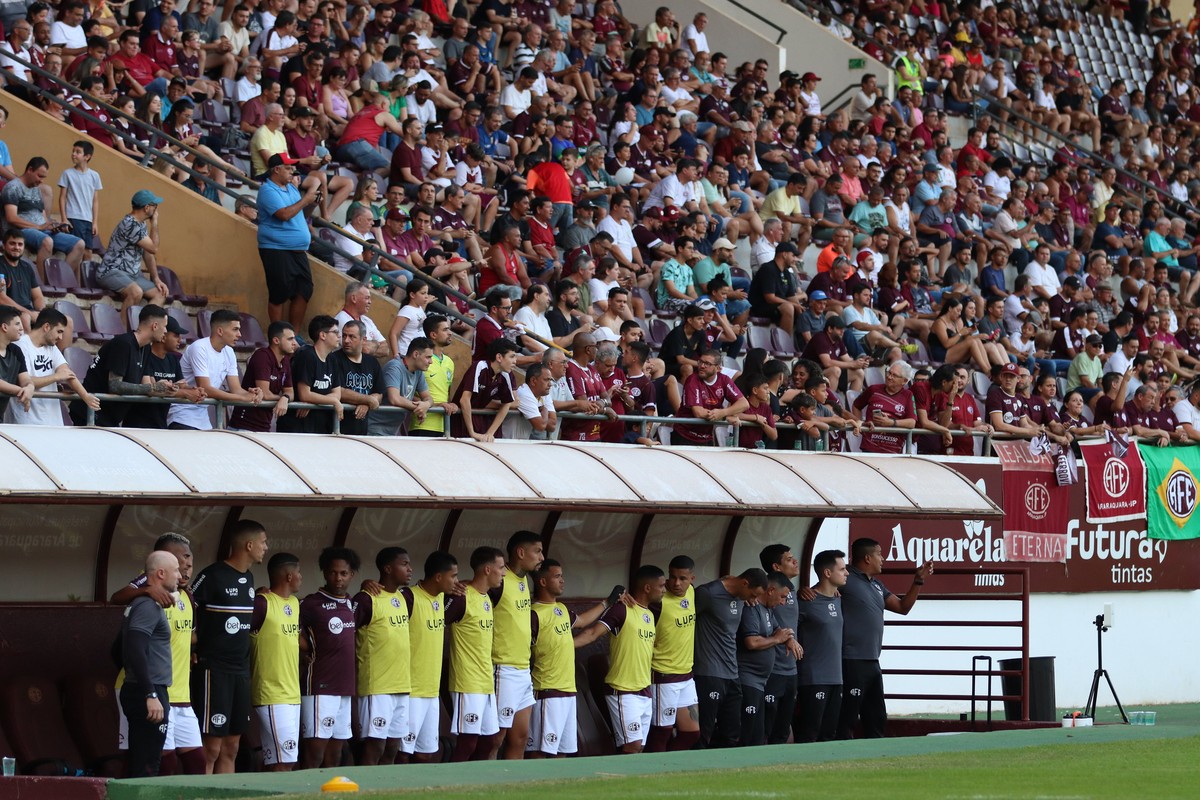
(31, 713)
(252, 335)
(658, 332)
(79, 360)
(61, 281)
(91, 714)
(175, 289)
(106, 321)
(131, 316)
(782, 344)
(87, 276)
(79, 321)
(204, 323)
(760, 336)
(185, 320)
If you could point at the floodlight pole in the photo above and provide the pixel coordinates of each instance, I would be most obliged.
(1090, 709)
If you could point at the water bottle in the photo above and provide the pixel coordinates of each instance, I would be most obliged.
(3, 282)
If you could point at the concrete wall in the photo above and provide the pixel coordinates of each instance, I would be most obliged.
(738, 27)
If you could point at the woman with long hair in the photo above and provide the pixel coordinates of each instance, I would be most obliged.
(952, 339)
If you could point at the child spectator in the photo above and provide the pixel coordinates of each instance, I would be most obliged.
(79, 193)
(758, 393)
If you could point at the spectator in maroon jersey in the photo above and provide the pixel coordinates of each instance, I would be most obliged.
(490, 387)
(269, 370)
(828, 348)
(588, 391)
(708, 394)
(887, 405)
(1006, 409)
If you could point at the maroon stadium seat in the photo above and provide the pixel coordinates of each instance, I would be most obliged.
(204, 323)
(87, 276)
(61, 281)
(175, 289)
(658, 332)
(131, 317)
(79, 321)
(79, 360)
(91, 713)
(106, 321)
(782, 344)
(185, 321)
(760, 336)
(252, 334)
(32, 714)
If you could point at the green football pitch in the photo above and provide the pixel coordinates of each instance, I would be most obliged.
(1108, 761)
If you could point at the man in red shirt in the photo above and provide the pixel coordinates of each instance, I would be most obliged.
(890, 405)
(708, 394)
(160, 47)
(544, 264)
(551, 179)
(586, 387)
(141, 72)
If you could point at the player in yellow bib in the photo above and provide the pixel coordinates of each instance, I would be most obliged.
(182, 746)
(553, 724)
(427, 639)
(472, 678)
(275, 664)
(676, 707)
(382, 659)
(631, 654)
(510, 646)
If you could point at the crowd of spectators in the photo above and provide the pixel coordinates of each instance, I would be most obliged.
(584, 179)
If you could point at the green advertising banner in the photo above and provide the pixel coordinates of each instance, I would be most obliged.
(1172, 491)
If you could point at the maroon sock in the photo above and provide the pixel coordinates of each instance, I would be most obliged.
(483, 749)
(169, 763)
(684, 740)
(659, 738)
(192, 761)
(464, 748)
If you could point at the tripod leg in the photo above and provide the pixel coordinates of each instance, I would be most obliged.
(1113, 689)
(1093, 695)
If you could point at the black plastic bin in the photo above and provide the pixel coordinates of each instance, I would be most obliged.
(1042, 705)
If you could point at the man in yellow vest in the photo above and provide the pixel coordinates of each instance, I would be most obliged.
(382, 659)
(182, 746)
(427, 640)
(631, 653)
(512, 602)
(275, 664)
(553, 725)
(472, 678)
(676, 708)
(910, 71)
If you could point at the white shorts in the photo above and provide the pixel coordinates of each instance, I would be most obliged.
(474, 714)
(424, 726)
(630, 715)
(183, 729)
(279, 732)
(382, 716)
(324, 716)
(552, 727)
(514, 693)
(669, 698)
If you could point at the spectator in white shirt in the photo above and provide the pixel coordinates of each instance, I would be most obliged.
(694, 36)
(536, 418)
(210, 364)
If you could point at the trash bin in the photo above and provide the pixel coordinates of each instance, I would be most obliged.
(1042, 705)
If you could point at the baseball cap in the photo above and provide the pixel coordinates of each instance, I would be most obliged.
(174, 327)
(588, 204)
(930, 168)
(605, 334)
(396, 215)
(722, 244)
(653, 213)
(145, 197)
(1094, 339)
(1073, 282)
(864, 256)
(787, 247)
(704, 304)
(818, 295)
(303, 111)
(809, 76)
(279, 160)
(1045, 204)
(671, 213)
(743, 125)
(432, 253)
(1010, 369)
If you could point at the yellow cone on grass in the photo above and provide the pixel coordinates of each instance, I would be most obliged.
(339, 784)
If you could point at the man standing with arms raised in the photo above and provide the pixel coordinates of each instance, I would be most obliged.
(275, 676)
(719, 606)
(864, 599)
(224, 597)
(472, 678)
(146, 654)
(382, 655)
(512, 601)
(675, 704)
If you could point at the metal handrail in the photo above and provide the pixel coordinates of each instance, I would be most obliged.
(134, 121)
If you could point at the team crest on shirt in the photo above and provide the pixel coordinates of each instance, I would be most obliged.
(634, 727)
(507, 712)
(180, 604)
(218, 720)
(646, 618)
(327, 723)
(251, 591)
(287, 611)
(395, 602)
(733, 607)
(335, 626)
(487, 606)
(470, 719)
(437, 606)
(684, 603)
(242, 580)
(379, 722)
(288, 745)
(520, 586)
(551, 738)
(557, 612)
(833, 609)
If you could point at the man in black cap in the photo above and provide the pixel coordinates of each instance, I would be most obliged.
(582, 230)
(1087, 368)
(163, 364)
(284, 239)
(774, 291)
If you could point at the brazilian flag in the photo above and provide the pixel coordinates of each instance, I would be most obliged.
(1172, 491)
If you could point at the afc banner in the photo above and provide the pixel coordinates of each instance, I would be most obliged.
(1116, 485)
(1171, 491)
(1035, 506)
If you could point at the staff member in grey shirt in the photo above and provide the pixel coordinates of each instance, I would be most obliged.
(819, 627)
(719, 606)
(758, 636)
(864, 599)
(146, 656)
(780, 697)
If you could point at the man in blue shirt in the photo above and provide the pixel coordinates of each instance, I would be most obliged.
(283, 240)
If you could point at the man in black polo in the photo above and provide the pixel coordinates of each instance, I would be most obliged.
(864, 599)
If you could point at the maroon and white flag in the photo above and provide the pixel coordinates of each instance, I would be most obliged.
(1035, 505)
(1116, 482)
